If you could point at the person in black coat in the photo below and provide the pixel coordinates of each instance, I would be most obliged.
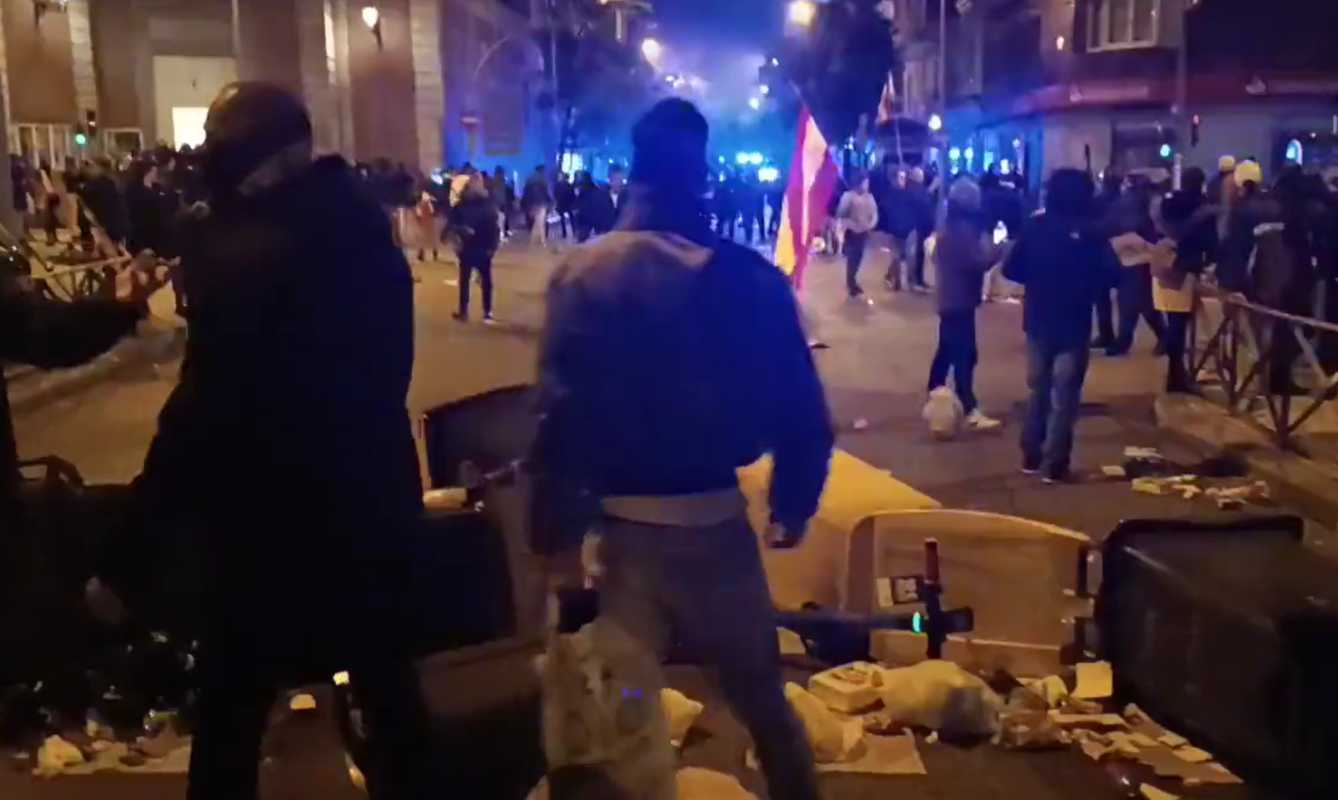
(286, 448)
(595, 213)
(103, 199)
(143, 208)
(480, 235)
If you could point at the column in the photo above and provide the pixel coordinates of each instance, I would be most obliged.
(267, 46)
(81, 48)
(316, 37)
(429, 93)
(9, 216)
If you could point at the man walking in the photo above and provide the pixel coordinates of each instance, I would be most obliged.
(294, 387)
(1064, 265)
(537, 198)
(669, 359)
(859, 211)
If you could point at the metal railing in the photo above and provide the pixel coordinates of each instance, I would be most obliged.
(1245, 353)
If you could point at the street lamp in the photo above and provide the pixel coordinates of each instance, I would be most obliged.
(755, 102)
(371, 17)
(652, 50)
(802, 12)
(935, 123)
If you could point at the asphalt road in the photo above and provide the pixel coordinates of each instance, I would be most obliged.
(874, 371)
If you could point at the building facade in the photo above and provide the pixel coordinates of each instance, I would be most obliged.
(1033, 85)
(422, 82)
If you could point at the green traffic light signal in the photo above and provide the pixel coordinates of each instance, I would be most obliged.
(81, 139)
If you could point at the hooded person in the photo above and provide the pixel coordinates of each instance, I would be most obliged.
(286, 449)
(964, 254)
(669, 359)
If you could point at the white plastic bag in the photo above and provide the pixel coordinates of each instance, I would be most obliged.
(941, 696)
(944, 413)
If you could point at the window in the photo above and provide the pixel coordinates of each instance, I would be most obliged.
(1119, 24)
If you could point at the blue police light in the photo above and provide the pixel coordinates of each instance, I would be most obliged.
(768, 174)
(1005, 166)
(970, 154)
(756, 159)
(955, 154)
(742, 159)
(1165, 151)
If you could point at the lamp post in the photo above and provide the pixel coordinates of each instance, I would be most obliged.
(371, 17)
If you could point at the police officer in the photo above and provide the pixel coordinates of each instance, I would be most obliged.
(287, 445)
(672, 357)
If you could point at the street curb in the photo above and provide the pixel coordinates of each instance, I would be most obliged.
(43, 387)
(1311, 487)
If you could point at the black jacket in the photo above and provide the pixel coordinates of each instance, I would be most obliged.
(478, 228)
(667, 362)
(286, 442)
(1064, 263)
(49, 335)
(104, 200)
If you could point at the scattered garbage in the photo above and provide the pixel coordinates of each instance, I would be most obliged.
(55, 755)
(1095, 681)
(1235, 497)
(681, 712)
(850, 688)
(832, 738)
(1115, 472)
(944, 413)
(861, 424)
(941, 696)
(302, 703)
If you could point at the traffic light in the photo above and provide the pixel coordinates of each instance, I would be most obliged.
(80, 137)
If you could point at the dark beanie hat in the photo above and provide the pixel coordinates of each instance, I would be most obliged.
(669, 147)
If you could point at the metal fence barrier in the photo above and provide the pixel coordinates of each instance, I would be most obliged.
(1246, 346)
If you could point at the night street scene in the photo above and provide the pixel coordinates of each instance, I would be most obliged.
(669, 399)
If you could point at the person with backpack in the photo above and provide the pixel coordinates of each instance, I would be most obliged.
(670, 357)
(1064, 263)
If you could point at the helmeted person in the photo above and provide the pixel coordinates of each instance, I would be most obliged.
(670, 358)
(286, 446)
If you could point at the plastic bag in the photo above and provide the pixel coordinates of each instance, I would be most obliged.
(941, 696)
(944, 413)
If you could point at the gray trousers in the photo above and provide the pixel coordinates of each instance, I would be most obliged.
(704, 588)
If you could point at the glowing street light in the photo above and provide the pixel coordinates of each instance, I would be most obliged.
(371, 17)
(755, 102)
(802, 12)
(652, 50)
(935, 123)
(764, 89)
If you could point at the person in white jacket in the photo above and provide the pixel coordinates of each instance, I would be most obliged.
(859, 212)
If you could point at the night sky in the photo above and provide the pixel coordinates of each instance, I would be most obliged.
(741, 24)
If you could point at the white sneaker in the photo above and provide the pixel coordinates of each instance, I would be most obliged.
(977, 421)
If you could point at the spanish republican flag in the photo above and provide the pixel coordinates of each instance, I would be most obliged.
(813, 178)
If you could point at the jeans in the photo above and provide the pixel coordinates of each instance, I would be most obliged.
(956, 352)
(233, 708)
(1177, 331)
(917, 276)
(1135, 299)
(1105, 318)
(1055, 374)
(855, 243)
(539, 223)
(897, 245)
(467, 269)
(704, 588)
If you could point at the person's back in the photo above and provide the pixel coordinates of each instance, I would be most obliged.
(1064, 264)
(693, 343)
(668, 360)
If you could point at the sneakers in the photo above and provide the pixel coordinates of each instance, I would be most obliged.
(977, 421)
(489, 319)
(1053, 476)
